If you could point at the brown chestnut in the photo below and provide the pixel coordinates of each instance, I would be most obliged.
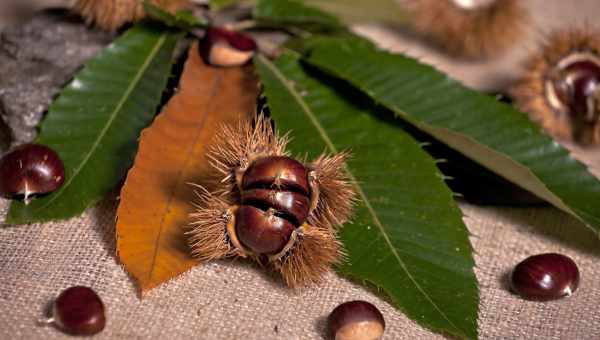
(356, 320)
(277, 172)
(79, 310)
(573, 89)
(262, 231)
(545, 277)
(30, 169)
(275, 200)
(222, 47)
(292, 204)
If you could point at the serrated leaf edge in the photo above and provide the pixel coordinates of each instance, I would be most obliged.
(435, 131)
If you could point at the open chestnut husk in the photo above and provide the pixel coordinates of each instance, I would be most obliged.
(30, 169)
(356, 320)
(545, 277)
(560, 89)
(78, 310)
(270, 207)
(222, 47)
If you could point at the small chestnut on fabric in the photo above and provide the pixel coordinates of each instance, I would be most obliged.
(545, 277)
(79, 310)
(356, 320)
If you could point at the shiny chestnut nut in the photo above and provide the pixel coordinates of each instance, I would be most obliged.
(573, 88)
(278, 172)
(30, 169)
(262, 230)
(356, 320)
(293, 205)
(545, 277)
(222, 47)
(79, 310)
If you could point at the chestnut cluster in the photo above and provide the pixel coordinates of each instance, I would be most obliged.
(77, 310)
(270, 207)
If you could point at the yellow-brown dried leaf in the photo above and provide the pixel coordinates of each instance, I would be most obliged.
(157, 197)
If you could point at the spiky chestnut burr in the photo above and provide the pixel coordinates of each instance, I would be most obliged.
(223, 47)
(560, 88)
(271, 207)
(112, 14)
(545, 277)
(469, 28)
(30, 169)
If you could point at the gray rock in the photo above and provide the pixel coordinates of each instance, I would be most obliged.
(37, 59)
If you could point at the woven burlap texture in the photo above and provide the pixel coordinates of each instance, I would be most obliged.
(235, 300)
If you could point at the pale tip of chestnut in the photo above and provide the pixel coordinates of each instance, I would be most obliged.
(472, 4)
(356, 320)
(545, 277)
(222, 47)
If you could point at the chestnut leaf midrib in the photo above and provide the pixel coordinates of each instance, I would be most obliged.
(114, 114)
(190, 151)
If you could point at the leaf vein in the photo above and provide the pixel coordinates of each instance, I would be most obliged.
(113, 115)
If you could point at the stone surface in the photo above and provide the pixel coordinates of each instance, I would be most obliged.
(37, 59)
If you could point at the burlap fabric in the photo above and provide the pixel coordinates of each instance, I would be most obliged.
(235, 300)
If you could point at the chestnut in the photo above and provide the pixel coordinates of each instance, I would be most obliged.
(356, 320)
(262, 231)
(222, 47)
(278, 172)
(545, 277)
(560, 88)
(573, 89)
(79, 310)
(30, 169)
